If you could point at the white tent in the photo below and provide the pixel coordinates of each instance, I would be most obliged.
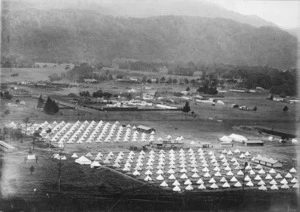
(200, 181)
(136, 173)
(225, 139)
(183, 170)
(148, 172)
(247, 178)
(296, 185)
(171, 171)
(148, 178)
(176, 183)
(164, 184)
(127, 169)
(274, 187)
(293, 170)
(237, 138)
(262, 188)
(183, 176)
(202, 187)
(288, 175)
(206, 174)
(195, 175)
(272, 171)
(95, 164)
(205, 169)
(187, 182)
(195, 170)
(273, 182)
(160, 177)
(237, 151)
(251, 172)
(189, 187)
(229, 153)
(172, 177)
(257, 177)
(278, 176)
(227, 168)
(159, 171)
(268, 177)
(226, 185)
(83, 160)
(237, 184)
(229, 173)
(294, 180)
(285, 186)
(214, 186)
(223, 179)
(212, 180)
(240, 173)
(233, 179)
(89, 155)
(284, 181)
(250, 184)
(176, 188)
(74, 155)
(217, 174)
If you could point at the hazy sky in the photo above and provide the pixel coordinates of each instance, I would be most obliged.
(284, 13)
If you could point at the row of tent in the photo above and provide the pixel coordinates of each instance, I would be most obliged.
(161, 177)
(79, 132)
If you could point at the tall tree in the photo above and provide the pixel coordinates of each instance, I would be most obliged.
(186, 108)
(51, 107)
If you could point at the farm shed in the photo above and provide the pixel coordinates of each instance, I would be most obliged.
(267, 161)
(253, 143)
(206, 145)
(145, 129)
(226, 144)
(237, 138)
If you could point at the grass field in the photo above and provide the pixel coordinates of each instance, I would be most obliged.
(29, 74)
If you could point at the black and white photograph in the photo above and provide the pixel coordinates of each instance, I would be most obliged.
(149, 105)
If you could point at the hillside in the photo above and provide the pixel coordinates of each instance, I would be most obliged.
(88, 36)
(144, 8)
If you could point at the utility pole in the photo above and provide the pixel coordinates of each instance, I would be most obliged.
(246, 164)
(59, 168)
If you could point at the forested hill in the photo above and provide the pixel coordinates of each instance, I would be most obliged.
(87, 36)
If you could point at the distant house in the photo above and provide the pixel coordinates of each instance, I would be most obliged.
(89, 80)
(133, 79)
(148, 95)
(153, 80)
(267, 161)
(197, 74)
(253, 143)
(45, 65)
(278, 99)
(238, 90)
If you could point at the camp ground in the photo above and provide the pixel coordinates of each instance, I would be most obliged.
(193, 169)
(88, 132)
